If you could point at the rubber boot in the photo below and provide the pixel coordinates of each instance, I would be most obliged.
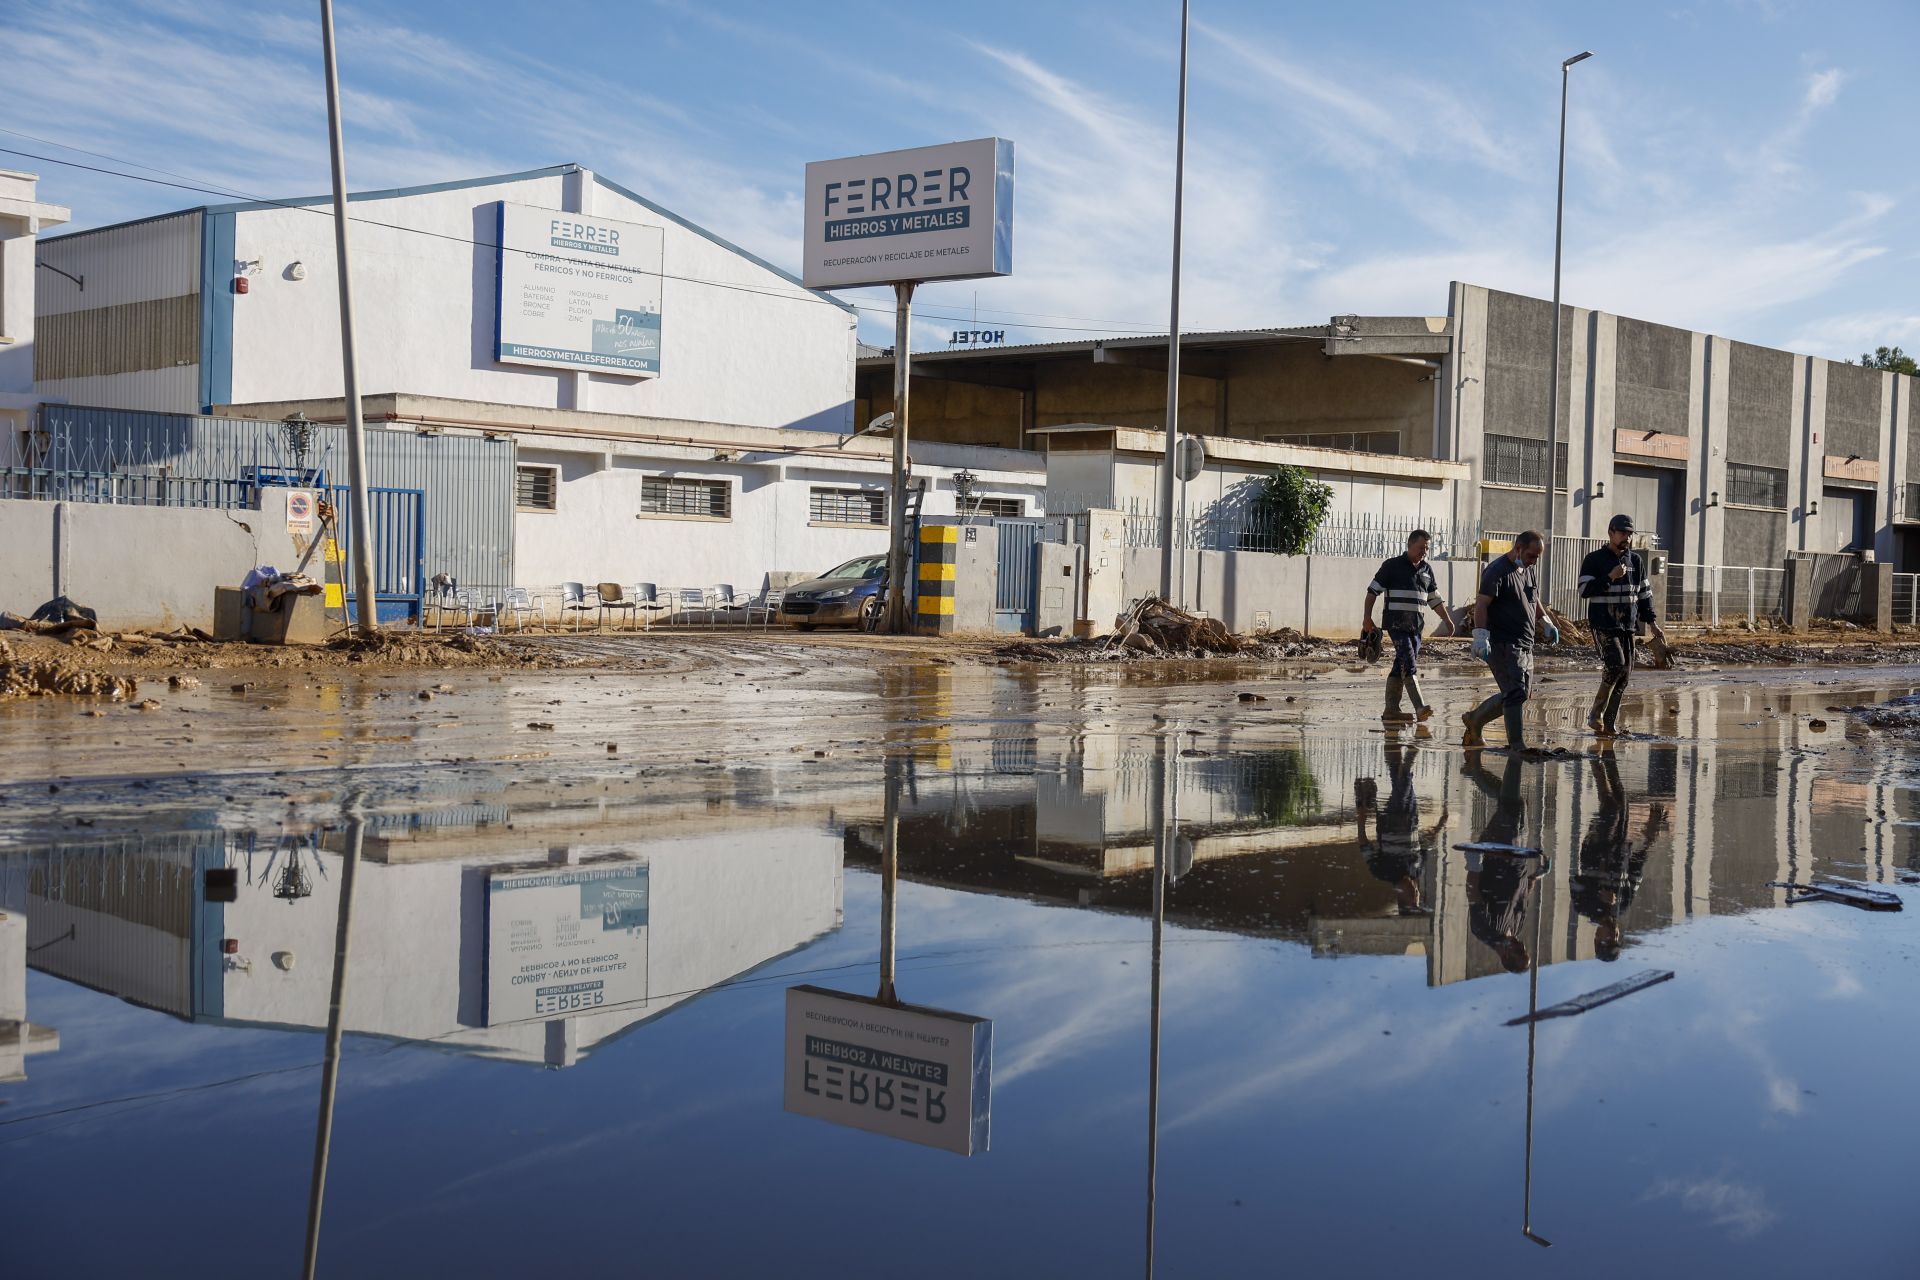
(1516, 727)
(1597, 717)
(1611, 716)
(1421, 711)
(1393, 714)
(1478, 718)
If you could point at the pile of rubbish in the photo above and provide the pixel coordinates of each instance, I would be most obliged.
(1152, 628)
(1899, 717)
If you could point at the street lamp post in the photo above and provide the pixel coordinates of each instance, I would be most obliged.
(1173, 330)
(1553, 383)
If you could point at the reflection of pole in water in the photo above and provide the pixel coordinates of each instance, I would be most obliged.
(889, 879)
(1533, 1007)
(1164, 821)
(330, 1068)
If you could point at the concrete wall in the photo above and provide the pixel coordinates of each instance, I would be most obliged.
(136, 566)
(1322, 595)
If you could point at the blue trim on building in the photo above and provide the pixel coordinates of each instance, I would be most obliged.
(216, 309)
(724, 243)
(499, 270)
(1002, 206)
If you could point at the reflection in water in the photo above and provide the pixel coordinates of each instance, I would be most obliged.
(1221, 844)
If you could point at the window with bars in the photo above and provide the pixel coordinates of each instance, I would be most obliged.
(847, 506)
(536, 488)
(1749, 486)
(1913, 502)
(1518, 461)
(675, 496)
(998, 508)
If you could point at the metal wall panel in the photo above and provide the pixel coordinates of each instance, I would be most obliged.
(134, 262)
(468, 479)
(160, 333)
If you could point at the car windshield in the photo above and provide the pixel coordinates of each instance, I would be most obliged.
(864, 567)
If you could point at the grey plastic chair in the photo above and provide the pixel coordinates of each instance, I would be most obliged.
(647, 600)
(573, 600)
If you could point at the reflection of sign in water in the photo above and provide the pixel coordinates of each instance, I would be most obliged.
(569, 940)
(578, 292)
(924, 1075)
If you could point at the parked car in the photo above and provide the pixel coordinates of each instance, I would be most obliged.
(847, 595)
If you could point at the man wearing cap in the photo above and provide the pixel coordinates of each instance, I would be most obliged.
(1504, 617)
(1408, 583)
(1613, 582)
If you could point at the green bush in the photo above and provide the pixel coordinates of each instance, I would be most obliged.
(1290, 508)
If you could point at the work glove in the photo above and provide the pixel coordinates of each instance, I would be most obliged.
(1549, 632)
(1482, 647)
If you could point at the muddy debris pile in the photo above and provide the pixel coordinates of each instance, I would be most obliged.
(43, 678)
(1155, 629)
(1898, 717)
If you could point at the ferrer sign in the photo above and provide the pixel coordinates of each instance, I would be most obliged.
(566, 940)
(578, 292)
(931, 213)
(904, 1071)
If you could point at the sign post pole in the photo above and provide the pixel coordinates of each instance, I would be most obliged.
(897, 586)
(1173, 330)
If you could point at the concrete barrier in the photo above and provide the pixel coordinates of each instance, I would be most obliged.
(136, 566)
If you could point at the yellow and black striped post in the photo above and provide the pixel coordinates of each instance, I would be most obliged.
(939, 554)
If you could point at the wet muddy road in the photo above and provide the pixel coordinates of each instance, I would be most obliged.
(619, 878)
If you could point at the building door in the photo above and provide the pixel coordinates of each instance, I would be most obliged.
(1846, 520)
(1654, 497)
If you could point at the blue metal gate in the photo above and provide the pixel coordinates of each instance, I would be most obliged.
(399, 549)
(1016, 589)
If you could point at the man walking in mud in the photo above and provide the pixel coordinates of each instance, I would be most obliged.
(1613, 582)
(1507, 614)
(1408, 583)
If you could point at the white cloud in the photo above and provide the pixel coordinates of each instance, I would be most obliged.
(1822, 88)
(1740, 1210)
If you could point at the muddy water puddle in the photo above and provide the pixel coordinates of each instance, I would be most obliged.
(570, 1028)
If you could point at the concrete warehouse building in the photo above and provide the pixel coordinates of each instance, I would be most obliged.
(23, 216)
(1732, 454)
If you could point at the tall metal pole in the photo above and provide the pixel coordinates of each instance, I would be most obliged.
(1162, 859)
(330, 1066)
(1173, 329)
(360, 523)
(897, 584)
(890, 882)
(1553, 377)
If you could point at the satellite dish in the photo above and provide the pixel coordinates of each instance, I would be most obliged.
(1189, 457)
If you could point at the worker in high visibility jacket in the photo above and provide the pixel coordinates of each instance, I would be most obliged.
(1613, 582)
(1408, 583)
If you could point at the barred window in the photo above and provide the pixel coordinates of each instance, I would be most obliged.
(847, 506)
(1913, 502)
(1518, 461)
(674, 496)
(998, 508)
(536, 488)
(1749, 486)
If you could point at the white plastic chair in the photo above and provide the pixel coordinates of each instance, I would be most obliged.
(516, 606)
(692, 599)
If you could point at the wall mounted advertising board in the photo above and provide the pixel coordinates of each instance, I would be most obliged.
(921, 1075)
(565, 940)
(577, 292)
(929, 213)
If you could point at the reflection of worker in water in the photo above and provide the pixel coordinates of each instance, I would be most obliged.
(1610, 867)
(1399, 852)
(1497, 883)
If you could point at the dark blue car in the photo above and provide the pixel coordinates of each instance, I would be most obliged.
(848, 595)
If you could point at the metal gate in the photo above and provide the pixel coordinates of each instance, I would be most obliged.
(1016, 589)
(399, 549)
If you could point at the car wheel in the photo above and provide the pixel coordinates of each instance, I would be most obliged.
(871, 613)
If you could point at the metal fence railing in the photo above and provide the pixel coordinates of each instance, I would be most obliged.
(1722, 595)
(1248, 528)
(1906, 599)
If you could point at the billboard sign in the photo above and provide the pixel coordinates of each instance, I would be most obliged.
(566, 940)
(905, 1071)
(929, 213)
(577, 292)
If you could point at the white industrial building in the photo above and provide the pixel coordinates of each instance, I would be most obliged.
(23, 216)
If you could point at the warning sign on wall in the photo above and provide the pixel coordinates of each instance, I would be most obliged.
(300, 511)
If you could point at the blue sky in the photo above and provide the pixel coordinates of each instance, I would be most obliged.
(1735, 165)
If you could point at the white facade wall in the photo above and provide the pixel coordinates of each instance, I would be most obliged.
(739, 342)
(597, 532)
(22, 218)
